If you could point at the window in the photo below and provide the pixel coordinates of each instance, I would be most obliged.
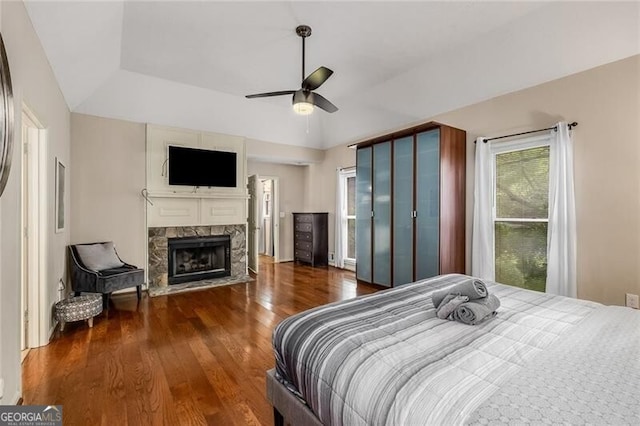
(346, 219)
(266, 198)
(267, 204)
(521, 212)
(351, 217)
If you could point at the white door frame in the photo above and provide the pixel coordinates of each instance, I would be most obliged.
(275, 215)
(36, 146)
(252, 228)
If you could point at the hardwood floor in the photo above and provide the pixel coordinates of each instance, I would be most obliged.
(190, 358)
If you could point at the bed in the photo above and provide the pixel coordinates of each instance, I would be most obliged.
(386, 359)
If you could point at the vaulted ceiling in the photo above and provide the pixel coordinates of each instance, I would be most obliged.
(189, 64)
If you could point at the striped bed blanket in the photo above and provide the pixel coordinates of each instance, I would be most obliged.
(386, 359)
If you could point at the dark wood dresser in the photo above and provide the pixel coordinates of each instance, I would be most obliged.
(310, 238)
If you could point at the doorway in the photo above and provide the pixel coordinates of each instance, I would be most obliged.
(33, 327)
(267, 220)
(264, 220)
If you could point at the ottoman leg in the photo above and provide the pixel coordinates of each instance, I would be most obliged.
(61, 326)
(91, 322)
(139, 291)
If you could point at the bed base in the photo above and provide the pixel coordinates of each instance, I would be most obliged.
(286, 406)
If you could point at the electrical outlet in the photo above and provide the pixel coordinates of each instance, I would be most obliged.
(632, 301)
(331, 256)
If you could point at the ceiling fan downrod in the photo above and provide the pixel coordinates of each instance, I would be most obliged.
(303, 31)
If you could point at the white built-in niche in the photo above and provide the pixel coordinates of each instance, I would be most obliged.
(185, 205)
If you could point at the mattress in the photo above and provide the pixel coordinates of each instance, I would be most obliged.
(386, 359)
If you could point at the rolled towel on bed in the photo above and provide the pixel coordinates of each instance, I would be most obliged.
(475, 311)
(449, 304)
(472, 288)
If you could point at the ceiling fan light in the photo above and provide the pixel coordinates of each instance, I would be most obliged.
(303, 108)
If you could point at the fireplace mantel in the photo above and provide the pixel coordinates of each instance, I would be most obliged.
(175, 194)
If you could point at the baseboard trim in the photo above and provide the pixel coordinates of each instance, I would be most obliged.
(285, 260)
(347, 266)
(52, 331)
(127, 290)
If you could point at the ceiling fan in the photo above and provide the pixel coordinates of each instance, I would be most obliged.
(305, 98)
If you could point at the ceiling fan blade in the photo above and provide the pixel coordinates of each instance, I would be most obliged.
(322, 102)
(268, 94)
(316, 78)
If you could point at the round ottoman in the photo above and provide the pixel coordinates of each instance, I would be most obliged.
(78, 308)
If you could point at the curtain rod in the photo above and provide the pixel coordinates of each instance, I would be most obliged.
(554, 128)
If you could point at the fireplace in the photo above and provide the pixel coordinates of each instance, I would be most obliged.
(198, 258)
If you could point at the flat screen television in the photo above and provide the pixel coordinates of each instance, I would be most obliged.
(201, 167)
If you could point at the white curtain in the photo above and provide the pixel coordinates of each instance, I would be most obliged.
(561, 236)
(340, 222)
(482, 260)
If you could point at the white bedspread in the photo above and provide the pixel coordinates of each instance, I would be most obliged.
(386, 359)
(591, 376)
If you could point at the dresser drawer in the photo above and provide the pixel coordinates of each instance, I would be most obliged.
(303, 255)
(304, 227)
(303, 218)
(303, 236)
(303, 245)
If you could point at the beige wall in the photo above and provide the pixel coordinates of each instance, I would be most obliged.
(321, 185)
(108, 166)
(605, 101)
(291, 181)
(108, 161)
(34, 85)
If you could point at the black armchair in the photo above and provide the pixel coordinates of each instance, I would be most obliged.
(97, 268)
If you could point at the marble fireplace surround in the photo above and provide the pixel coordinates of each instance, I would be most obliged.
(158, 253)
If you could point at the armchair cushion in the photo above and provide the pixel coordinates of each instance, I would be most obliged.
(99, 256)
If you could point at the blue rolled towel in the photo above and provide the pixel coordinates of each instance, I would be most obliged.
(472, 288)
(475, 311)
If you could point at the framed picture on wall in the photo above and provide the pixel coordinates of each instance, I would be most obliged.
(59, 196)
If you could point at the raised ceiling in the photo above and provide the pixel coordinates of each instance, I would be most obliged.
(189, 64)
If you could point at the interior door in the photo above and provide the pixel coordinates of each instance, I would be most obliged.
(252, 223)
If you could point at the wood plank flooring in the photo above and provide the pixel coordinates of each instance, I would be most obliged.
(185, 359)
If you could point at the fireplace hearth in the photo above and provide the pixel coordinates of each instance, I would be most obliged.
(198, 258)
